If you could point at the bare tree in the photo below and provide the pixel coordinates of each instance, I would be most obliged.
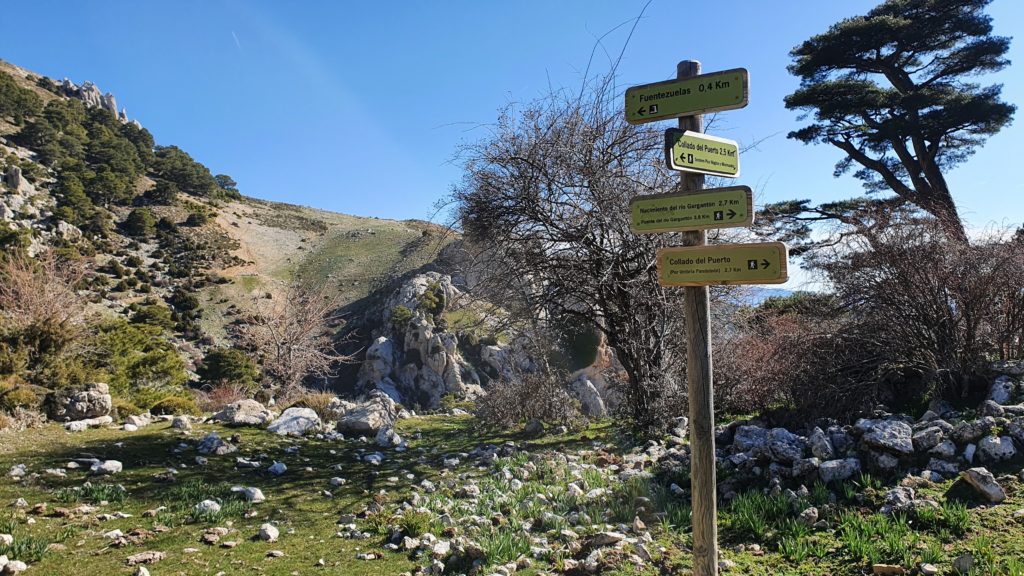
(292, 335)
(546, 196)
(38, 297)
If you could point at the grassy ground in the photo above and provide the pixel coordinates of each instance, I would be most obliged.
(855, 536)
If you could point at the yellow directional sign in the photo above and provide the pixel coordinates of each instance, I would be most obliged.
(682, 211)
(723, 264)
(702, 94)
(696, 152)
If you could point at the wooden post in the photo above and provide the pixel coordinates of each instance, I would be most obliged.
(699, 378)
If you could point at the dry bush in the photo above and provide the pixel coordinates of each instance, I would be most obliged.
(318, 402)
(937, 310)
(292, 335)
(913, 316)
(214, 398)
(530, 396)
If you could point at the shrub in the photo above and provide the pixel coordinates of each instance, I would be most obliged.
(15, 393)
(230, 366)
(197, 219)
(212, 398)
(124, 408)
(530, 396)
(140, 222)
(152, 314)
(400, 317)
(176, 405)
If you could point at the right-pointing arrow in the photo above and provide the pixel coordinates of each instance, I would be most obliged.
(765, 263)
(732, 213)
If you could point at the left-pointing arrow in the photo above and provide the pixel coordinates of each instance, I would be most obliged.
(640, 112)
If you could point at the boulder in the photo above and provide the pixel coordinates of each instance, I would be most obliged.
(295, 421)
(928, 438)
(838, 470)
(591, 402)
(984, 484)
(368, 417)
(269, 533)
(212, 444)
(752, 439)
(244, 413)
(945, 449)
(1002, 390)
(784, 446)
(943, 468)
(891, 436)
(996, 449)
(821, 445)
(93, 402)
(972, 431)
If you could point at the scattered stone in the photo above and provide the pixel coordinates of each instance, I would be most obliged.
(1002, 390)
(205, 506)
(928, 438)
(887, 569)
(821, 445)
(83, 425)
(269, 533)
(145, 558)
(106, 467)
(726, 565)
(602, 539)
(183, 423)
(369, 417)
(963, 564)
(809, 516)
(254, 495)
(277, 469)
(15, 567)
(275, 554)
(985, 484)
(928, 569)
(212, 444)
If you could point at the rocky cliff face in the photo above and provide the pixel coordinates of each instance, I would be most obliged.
(91, 95)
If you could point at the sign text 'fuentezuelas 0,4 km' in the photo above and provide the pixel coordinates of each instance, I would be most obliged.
(715, 92)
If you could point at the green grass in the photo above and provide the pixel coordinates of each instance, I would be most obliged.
(536, 495)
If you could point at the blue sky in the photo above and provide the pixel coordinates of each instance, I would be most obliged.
(359, 107)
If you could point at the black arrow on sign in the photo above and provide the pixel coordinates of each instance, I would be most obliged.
(640, 112)
(732, 213)
(765, 263)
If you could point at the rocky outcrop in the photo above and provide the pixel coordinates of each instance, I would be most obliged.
(422, 363)
(93, 402)
(244, 413)
(91, 95)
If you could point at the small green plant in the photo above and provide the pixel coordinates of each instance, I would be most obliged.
(955, 516)
(95, 493)
(504, 545)
(380, 522)
(794, 549)
(26, 548)
(415, 523)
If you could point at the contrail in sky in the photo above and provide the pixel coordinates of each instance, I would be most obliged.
(237, 43)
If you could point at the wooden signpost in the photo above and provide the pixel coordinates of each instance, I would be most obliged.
(696, 265)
